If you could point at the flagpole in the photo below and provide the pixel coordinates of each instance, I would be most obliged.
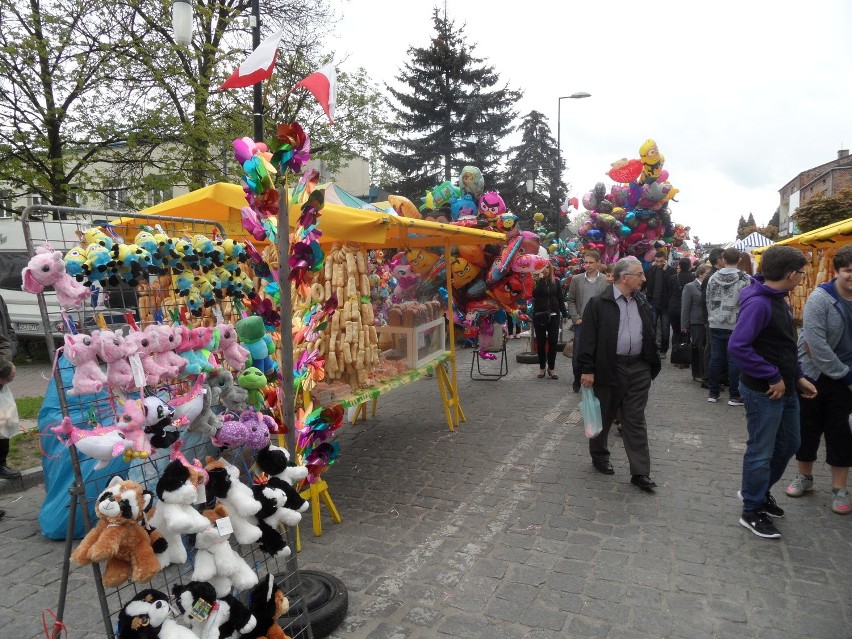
(257, 114)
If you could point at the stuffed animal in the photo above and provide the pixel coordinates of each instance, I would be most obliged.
(209, 617)
(216, 561)
(275, 462)
(250, 429)
(190, 405)
(158, 418)
(99, 265)
(225, 392)
(192, 342)
(145, 344)
(146, 616)
(268, 603)
(174, 514)
(255, 339)
(132, 423)
(46, 268)
(119, 538)
(234, 355)
(224, 484)
(113, 350)
(103, 443)
(166, 342)
(74, 260)
(252, 379)
(82, 352)
(206, 422)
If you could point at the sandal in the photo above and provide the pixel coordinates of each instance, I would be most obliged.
(553, 375)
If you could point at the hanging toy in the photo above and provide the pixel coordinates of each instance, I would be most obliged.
(46, 268)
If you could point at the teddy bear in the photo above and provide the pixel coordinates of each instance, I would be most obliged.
(174, 515)
(164, 352)
(224, 484)
(46, 268)
(82, 352)
(255, 339)
(119, 538)
(234, 355)
(145, 344)
(209, 617)
(146, 616)
(216, 562)
(113, 350)
(268, 603)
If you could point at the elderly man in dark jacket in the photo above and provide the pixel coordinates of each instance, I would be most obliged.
(618, 359)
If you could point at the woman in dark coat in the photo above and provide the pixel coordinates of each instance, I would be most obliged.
(548, 313)
(681, 278)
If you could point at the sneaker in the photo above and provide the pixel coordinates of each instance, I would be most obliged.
(735, 401)
(713, 398)
(760, 525)
(800, 485)
(842, 504)
(772, 508)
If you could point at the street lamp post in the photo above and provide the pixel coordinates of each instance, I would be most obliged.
(574, 96)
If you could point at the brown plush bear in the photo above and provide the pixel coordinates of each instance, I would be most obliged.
(119, 538)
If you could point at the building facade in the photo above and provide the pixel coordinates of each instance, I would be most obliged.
(825, 180)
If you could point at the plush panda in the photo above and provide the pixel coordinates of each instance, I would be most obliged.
(209, 617)
(146, 616)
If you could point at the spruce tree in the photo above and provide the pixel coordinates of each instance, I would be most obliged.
(740, 226)
(451, 114)
(534, 158)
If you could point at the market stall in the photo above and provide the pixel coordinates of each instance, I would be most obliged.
(819, 245)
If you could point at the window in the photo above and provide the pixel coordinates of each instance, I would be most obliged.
(116, 196)
(6, 209)
(158, 195)
(11, 266)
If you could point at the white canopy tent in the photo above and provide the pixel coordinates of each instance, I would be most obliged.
(752, 241)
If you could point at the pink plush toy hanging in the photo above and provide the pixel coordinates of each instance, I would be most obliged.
(234, 355)
(132, 423)
(103, 443)
(46, 268)
(82, 352)
(113, 350)
(164, 353)
(145, 344)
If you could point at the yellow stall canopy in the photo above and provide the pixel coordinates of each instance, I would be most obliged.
(222, 203)
(830, 236)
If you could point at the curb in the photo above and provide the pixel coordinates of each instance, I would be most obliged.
(28, 479)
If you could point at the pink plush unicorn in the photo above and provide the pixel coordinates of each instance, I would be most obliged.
(113, 350)
(234, 355)
(145, 345)
(167, 340)
(132, 423)
(46, 268)
(82, 352)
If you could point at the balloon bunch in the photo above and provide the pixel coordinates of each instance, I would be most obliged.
(633, 218)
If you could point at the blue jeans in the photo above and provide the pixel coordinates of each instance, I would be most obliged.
(773, 439)
(718, 356)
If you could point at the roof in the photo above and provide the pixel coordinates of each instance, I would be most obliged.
(752, 240)
(832, 235)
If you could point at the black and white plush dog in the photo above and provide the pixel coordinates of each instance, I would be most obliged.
(275, 462)
(225, 618)
(146, 616)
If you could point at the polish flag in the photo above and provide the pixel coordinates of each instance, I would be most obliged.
(323, 85)
(258, 66)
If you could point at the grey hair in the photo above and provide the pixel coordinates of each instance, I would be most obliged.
(622, 266)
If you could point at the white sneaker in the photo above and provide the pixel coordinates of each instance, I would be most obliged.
(842, 503)
(799, 486)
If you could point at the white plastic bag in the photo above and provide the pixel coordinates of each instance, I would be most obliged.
(9, 422)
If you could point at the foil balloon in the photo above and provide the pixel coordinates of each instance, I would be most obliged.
(471, 181)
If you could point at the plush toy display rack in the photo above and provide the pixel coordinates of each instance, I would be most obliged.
(126, 307)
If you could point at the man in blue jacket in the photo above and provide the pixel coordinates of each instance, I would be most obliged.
(763, 344)
(825, 351)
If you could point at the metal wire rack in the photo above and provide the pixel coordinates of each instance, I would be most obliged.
(122, 305)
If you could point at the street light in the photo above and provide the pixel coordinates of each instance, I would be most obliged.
(182, 21)
(574, 96)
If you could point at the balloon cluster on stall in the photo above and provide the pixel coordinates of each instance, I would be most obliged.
(633, 218)
(487, 281)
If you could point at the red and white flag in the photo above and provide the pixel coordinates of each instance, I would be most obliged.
(323, 85)
(258, 66)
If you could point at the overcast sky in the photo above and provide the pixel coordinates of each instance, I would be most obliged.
(740, 96)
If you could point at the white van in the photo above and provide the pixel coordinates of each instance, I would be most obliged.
(24, 314)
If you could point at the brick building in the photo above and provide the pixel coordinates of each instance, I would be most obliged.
(825, 179)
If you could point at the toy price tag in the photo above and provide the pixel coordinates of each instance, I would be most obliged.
(224, 526)
(202, 495)
(200, 610)
(137, 370)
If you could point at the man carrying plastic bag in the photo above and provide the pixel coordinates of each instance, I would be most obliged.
(618, 359)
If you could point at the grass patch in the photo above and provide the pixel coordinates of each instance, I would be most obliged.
(25, 450)
(28, 407)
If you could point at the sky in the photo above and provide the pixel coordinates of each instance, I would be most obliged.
(740, 96)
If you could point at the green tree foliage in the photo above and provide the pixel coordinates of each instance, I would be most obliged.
(750, 221)
(534, 158)
(775, 220)
(451, 113)
(740, 227)
(820, 211)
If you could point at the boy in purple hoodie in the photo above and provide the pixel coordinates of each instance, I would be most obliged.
(763, 344)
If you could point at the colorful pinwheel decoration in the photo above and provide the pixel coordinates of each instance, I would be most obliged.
(265, 308)
(314, 431)
(293, 148)
(306, 256)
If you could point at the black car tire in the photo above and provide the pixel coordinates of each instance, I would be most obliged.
(327, 602)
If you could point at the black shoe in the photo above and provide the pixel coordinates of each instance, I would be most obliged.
(772, 508)
(8, 473)
(760, 525)
(2, 514)
(705, 385)
(643, 481)
(604, 467)
(576, 387)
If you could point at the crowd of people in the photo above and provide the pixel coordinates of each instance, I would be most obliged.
(738, 329)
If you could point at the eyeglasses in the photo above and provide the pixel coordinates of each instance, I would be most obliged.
(639, 274)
